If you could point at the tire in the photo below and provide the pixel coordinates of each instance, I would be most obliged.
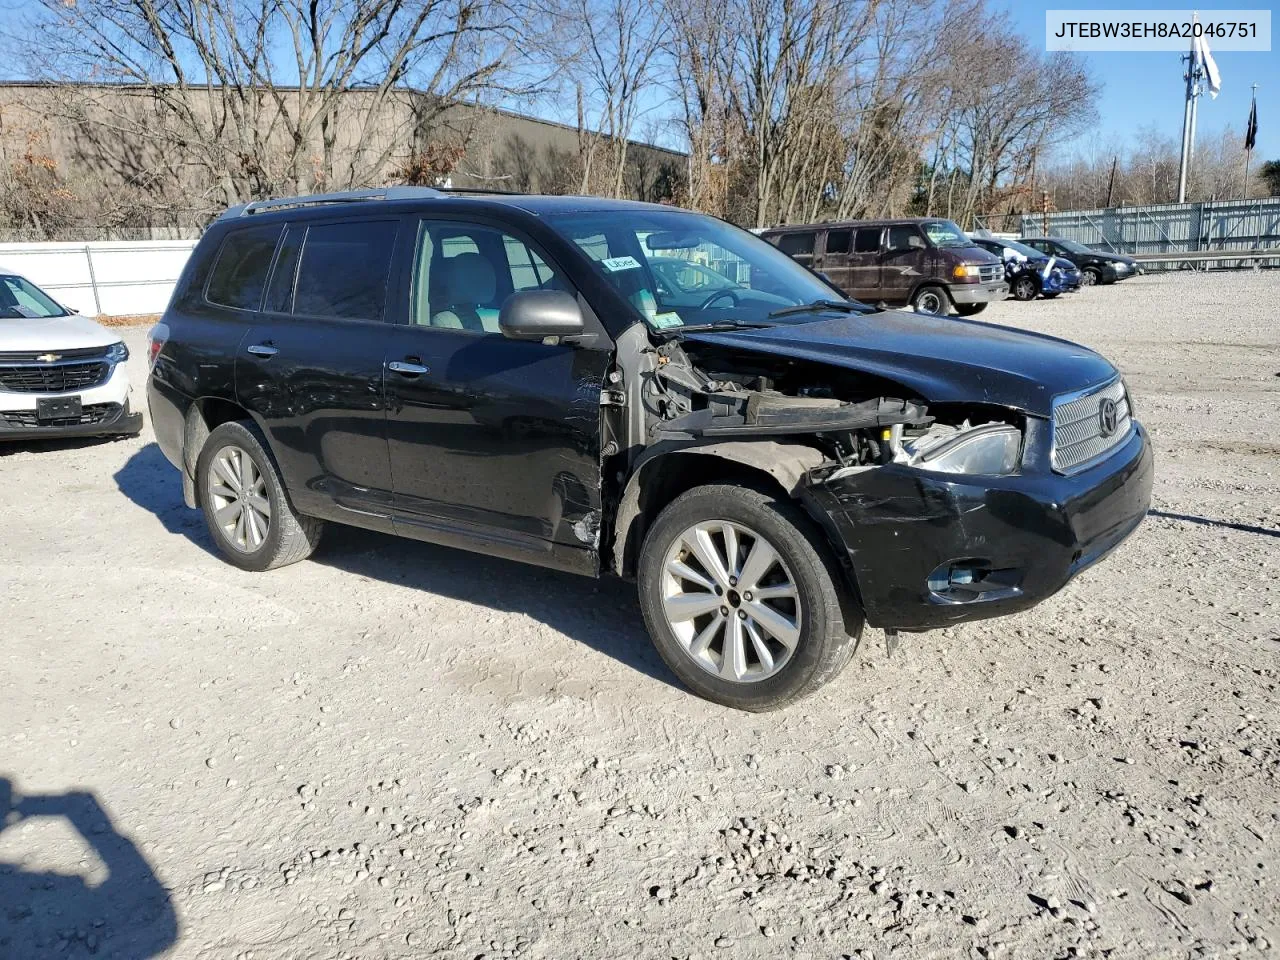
(1090, 277)
(932, 300)
(811, 644)
(1025, 288)
(970, 309)
(230, 451)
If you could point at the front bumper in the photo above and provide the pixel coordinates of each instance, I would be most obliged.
(102, 420)
(107, 411)
(1020, 538)
(979, 292)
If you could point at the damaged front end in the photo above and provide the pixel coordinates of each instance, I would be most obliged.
(938, 513)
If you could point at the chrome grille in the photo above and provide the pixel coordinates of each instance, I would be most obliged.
(1078, 438)
(989, 272)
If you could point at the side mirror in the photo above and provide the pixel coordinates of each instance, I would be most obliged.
(538, 314)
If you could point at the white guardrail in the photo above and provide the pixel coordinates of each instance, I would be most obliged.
(109, 277)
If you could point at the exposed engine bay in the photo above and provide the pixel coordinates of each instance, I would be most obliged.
(691, 393)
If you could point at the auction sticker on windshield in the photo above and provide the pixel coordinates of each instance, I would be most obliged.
(664, 320)
(616, 264)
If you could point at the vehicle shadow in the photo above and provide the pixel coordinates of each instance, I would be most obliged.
(45, 913)
(1209, 522)
(51, 444)
(151, 482)
(603, 614)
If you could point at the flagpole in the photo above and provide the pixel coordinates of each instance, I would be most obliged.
(1248, 146)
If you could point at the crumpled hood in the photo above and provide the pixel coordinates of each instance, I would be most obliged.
(943, 360)
(72, 332)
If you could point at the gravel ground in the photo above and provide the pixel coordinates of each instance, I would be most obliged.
(396, 750)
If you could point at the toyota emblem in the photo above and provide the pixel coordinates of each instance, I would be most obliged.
(1108, 416)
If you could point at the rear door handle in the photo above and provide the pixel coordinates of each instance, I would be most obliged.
(262, 350)
(407, 369)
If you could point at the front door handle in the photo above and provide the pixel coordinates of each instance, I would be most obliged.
(262, 350)
(407, 369)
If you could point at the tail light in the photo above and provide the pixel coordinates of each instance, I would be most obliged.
(156, 339)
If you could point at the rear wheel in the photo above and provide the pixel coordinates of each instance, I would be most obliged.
(932, 300)
(244, 502)
(740, 599)
(1025, 288)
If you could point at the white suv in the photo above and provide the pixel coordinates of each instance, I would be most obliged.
(61, 374)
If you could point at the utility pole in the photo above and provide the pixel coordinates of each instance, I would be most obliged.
(1193, 77)
(1111, 184)
(1044, 213)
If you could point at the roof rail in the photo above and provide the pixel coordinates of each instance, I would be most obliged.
(317, 199)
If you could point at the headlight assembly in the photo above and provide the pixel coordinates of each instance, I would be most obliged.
(118, 353)
(992, 449)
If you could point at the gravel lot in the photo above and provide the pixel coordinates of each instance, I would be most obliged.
(396, 750)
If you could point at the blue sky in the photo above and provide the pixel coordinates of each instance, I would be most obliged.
(1139, 89)
(1145, 89)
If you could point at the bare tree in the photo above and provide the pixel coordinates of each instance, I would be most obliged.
(267, 96)
(607, 51)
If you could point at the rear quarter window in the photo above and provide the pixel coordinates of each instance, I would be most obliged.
(240, 268)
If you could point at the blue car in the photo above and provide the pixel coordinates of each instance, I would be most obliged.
(1031, 273)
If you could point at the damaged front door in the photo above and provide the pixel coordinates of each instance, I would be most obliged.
(495, 443)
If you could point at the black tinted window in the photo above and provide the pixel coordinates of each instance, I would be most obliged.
(838, 241)
(796, 244)
(867, 240)
(240, 272)
(343, 271)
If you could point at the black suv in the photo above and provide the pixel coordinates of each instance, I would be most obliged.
(1095, 266)
(518, 375)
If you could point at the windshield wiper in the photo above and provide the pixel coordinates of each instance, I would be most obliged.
(851, 306)
(726, 324)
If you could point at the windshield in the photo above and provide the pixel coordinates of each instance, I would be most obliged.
(1074, 246)
(21, 299)
(944, 233)
(681, 269)
(1023, 249)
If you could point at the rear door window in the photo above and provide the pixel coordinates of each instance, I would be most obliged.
(239, 273)
(343, 270)
(867, 240)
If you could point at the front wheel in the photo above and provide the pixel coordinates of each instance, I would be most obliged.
(740, 598)
(1090, 277)
(932, 300)
(244, 502)
(1025, 288)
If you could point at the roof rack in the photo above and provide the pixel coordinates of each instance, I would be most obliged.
(318, 199)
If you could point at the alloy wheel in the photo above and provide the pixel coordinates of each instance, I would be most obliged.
(1026, 289)
(731, 601)
(238, 492)
(1089, 278)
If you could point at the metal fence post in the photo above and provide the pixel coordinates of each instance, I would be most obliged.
(93, 280)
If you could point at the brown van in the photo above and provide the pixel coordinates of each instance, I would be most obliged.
(928, 263)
